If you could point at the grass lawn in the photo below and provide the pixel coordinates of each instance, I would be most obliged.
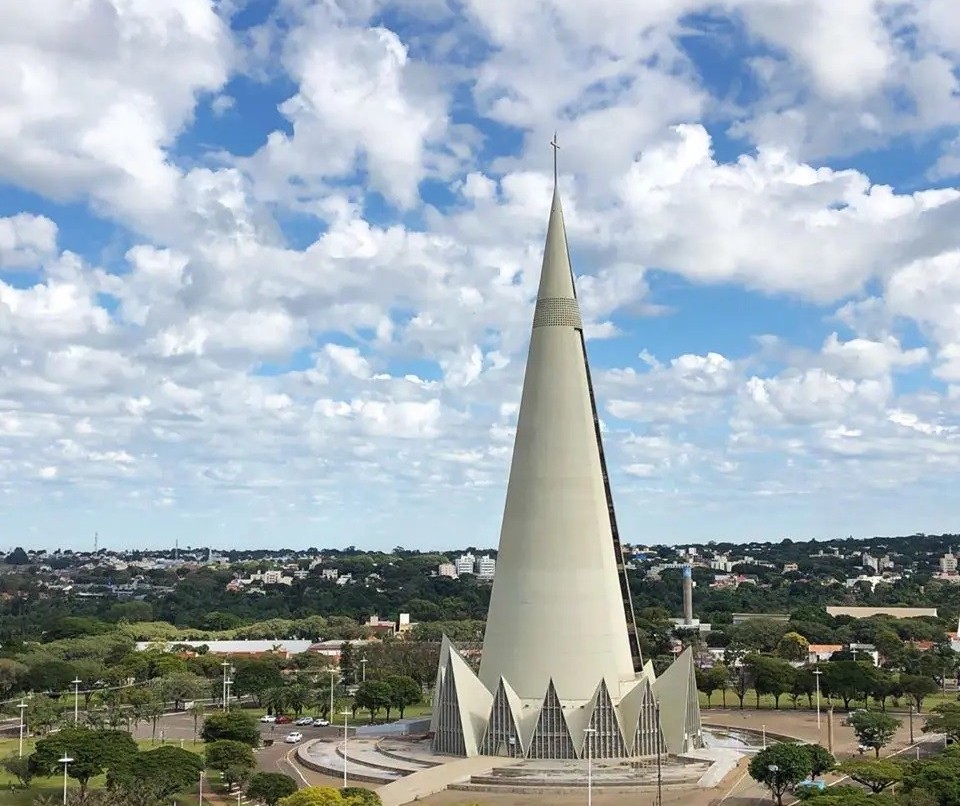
(786, 703)
(363, 717)
(54, 785)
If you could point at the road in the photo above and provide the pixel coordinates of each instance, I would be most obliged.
(178, 728)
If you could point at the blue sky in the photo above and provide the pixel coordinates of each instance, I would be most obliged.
(266, 268)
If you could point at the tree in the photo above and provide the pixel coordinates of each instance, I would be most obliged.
(875, 774)
(92, 751)
(793, 646)
(180, 687)
(372, 695)
(151, 709)
(780, 767)
(233, 726)
(256, 676)
(348, 666)
(944, 719)
(225, 754)
(162, 772)
(918, 687)
(720, 676)
(740, 680)
(19, 768)
(270, 787)
(42, 714)
(404, 691)
(770, 676)
(197, 711)
(13, 676)
(821, 760)
(298, 695)
(275, 699)
(847, 796)
(847, 679)
(358, 796)
(314, 796)
(874, 729)
(705, 683)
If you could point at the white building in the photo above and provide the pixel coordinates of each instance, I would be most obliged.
(486, 567)
(721, 562)
(465, 564)
(948, 563)
(447, 570)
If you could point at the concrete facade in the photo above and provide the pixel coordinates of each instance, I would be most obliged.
(561, 674)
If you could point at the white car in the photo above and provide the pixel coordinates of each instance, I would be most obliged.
(320, 723)
(268, 718)
(304, 720)
(294, 737)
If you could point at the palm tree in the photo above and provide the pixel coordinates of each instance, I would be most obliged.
(197, 710)
(152, 709)
(275, 699)
(297, 697)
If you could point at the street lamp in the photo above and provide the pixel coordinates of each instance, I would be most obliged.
(200, 801)
(763, 733)
(816, 676)
(66, 761)
(225, 665)
(589, 733)
(23, 707)
(345, 714)
(911, 724)
(363, 670)
(76, 699)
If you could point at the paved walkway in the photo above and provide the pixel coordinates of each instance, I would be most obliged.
(436, 779)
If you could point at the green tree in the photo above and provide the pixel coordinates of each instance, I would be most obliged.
(848, 796)
(780, 767)
(151, 709)
(42, 714)
(770, 676)
(161, 772)
(298, 696)
(874, 729)
(275, 699)
(256, 676)
(846, 679)
(92, 751)
(348, 665)
(706, 684)
(875, 774)
(13, 677)
(270, 787)
(233, 726)
(313, 796)
(821, 760)
(404, 691)
(180, 687)
(358, 796)
(793, 646)
(944, 719)
(720, 675)
(197, 711)
(918, 687)
(18, 768)
(372, 695)
(224, 754)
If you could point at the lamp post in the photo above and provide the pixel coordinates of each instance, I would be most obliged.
(200, 796)
(333, 673)
(816, 677)
(225, 665)
(774, 769)
(911, 724)
(23, 707)
(66, 761)
(345, 714)
(588, 736)
(659, 769)
(763, 733)
(76, 699)
(363, 670)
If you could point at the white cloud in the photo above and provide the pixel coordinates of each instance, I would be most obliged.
(26, 239)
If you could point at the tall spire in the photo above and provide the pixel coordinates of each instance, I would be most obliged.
(558, 608)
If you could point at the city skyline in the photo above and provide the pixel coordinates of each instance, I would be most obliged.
(267, 268)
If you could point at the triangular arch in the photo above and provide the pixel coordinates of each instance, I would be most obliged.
(502, 738)
(648, 740)
(603, 733)
(448, 730)
(551, 737)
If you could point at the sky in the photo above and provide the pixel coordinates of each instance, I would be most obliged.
(267, 268)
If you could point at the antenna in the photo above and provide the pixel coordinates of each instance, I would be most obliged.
(96, 542)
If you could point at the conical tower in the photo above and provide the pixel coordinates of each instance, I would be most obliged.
(561, 660)
(560, 590)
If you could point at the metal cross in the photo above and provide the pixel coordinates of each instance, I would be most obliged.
(556, 147)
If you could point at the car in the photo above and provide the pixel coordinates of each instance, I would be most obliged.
(293, 737)
(268, 718)
(284, 720)
(320, 723)
(304, 720)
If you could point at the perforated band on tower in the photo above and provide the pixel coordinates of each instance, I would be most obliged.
(557, 312)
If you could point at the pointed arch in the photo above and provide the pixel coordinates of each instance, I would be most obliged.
(551, 737)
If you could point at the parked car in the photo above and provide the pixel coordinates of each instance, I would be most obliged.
(319, 723)
(294, 737)
(304, 720)
(268, 718)
(283, 720)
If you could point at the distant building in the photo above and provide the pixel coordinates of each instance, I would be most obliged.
(721, 562)
(330, 573)
(790, 567)
(820, 653)
(740, 618)
(447, 570)
(486, 567)
(868, 612)
(948, 563)
(465, 564)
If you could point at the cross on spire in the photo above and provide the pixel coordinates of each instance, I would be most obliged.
(556, 148)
